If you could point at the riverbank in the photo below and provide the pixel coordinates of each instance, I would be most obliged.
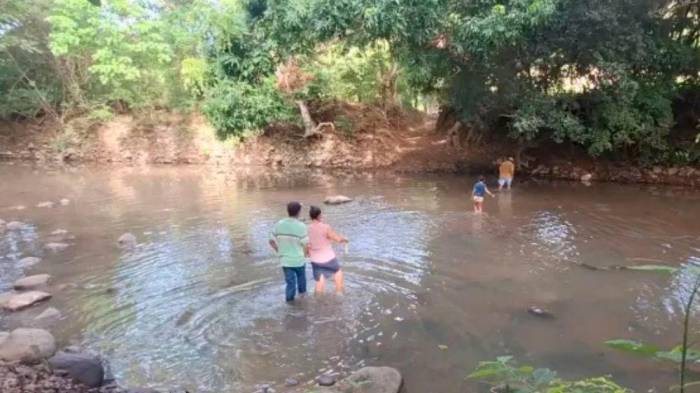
(366, 138)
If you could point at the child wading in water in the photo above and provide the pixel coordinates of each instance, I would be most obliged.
(478, 193)
(323, 259)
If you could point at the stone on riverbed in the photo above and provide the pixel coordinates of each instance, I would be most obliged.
(540, 312)
(326, 380)
(127, 240)
(18, 301)
(48, 315)
(56, 246)
(586, 177)
(27, 345)
(28, 262)
(337, 200)
(371, 380)
(31, 282)
(84, 368)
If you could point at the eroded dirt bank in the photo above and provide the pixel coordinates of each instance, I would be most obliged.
(366, 138)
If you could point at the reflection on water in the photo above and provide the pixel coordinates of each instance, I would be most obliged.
(199, 304)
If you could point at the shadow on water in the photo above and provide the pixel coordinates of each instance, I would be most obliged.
(431, 288)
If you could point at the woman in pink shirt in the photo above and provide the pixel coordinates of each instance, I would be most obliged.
(323, 259)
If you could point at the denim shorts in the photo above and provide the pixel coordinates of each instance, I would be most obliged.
(328, 269)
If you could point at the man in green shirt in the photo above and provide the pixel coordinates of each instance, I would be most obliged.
(290, 241)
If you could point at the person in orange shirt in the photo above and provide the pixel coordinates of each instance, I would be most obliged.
(505, 173)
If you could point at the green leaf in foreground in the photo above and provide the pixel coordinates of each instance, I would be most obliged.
(633, 347)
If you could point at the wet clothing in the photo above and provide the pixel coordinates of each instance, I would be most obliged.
(295, 278)
(320, 245)
(291, 237)
(327, 269)
(478, 199)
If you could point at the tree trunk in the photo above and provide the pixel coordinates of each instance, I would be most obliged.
(310, 128)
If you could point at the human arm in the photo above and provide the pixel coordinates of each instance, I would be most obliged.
(489, 192)
(336, 237)
(273, 245)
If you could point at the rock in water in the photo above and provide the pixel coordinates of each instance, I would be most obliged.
(84, 368)
(372, 380)
(127, 240)
(31, 282)
(540, 312)
(587, 178)
(28, 262)
(56, 246)
(48, 314)
(45, 204)
(14, 226)
(291, 382)
(27, 345)
(22, 300)
(337, 200)
(326, 380)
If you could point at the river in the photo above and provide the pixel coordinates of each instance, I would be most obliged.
(431, 288)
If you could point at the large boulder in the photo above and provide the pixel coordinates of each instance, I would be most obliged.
(32, 282)
(337, 200)
(18, 301)
(27, 345)
(82, 367)
(371, 380)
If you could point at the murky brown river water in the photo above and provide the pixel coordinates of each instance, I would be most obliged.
(199, 304)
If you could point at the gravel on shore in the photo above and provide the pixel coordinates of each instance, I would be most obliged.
(21, 378)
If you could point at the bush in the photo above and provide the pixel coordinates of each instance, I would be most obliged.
(239, 108)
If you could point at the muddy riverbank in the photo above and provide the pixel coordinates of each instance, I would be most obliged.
(400, 142)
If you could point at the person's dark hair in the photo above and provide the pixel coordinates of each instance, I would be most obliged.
(293, 209)
(482, 178)
(314, 212)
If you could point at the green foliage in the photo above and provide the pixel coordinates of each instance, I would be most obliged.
(193, 72)
(508, 377)
(27, 82)
(647, 350)
(238, 108)
(101, 114)
(119, 46)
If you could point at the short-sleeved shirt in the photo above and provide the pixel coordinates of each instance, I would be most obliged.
(479, 189)
(320, 246)
(291, 237)
(506, 170)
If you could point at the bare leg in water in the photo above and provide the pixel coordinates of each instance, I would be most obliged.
(320, 284)
(339, 284)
